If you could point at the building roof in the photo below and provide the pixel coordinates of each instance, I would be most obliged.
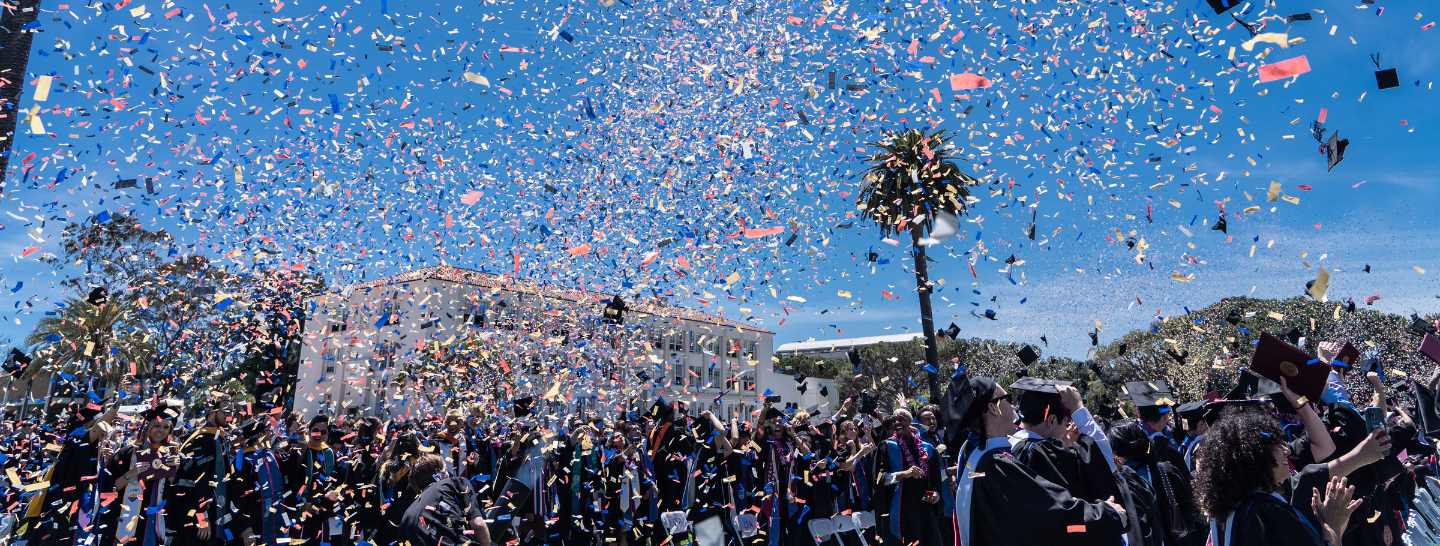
(471, 277)
(826, 345)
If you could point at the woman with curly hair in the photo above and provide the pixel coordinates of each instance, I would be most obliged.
(1242, 469)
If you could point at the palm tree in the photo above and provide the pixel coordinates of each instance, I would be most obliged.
(59, 342)
(911, 180)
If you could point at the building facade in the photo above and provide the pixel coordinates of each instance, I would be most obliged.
(549, 339)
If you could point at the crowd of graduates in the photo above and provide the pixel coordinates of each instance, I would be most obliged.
(989, 464)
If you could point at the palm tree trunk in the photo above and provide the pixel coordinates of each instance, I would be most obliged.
(927, 321)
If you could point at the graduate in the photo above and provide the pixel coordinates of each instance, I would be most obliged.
(997, 497)
(139, 473)
(1155, 403)
(911, 478)
(193, 504)
(1048, 410)
(312, 482)
(774, 487)
(258, 487)
(67, 511)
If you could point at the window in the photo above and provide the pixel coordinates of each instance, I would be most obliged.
(732, 349)
(694, 345)
(749, 347)
(712, 379)
(791, 406)
(675, 342)
(340, 320)
(385, 355)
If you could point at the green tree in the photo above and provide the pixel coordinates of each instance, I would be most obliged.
(912, 180)
(98, 341)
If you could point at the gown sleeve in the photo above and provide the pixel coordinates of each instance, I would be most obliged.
(1272, 523)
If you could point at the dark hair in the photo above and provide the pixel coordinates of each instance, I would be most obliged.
(425, 471)
(1235, 460)
(1130, 441)
(406, 444)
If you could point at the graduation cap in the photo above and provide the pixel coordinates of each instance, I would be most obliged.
(253, 428)
(824, 390)
(523, 406)
(1179, 357)
(1294, 335)
(1305, 374)
(1191, 410)
(1151, 398)
(1387, 78)
(854, 355)
(1297, 17)
(16, 362)
(869, 402)
(1421, 327)
(163, 410)
(98, 296)
(1335, 150)
(953, 332)
(1124, 347)
(1254, 387)
(1027, 355)
(615, 310)
(1367, 268)
(1372, 364)
(964, 401)
(989, 313)
(1222, 6)
(1095, 339)
(773, 413)
(1234, 317)
(802, 388)
(1220, 225)
(1040, 399)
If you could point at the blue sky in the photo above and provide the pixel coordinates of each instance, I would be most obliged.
(661, 170)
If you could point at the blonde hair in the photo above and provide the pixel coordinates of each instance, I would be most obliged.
(903, 411)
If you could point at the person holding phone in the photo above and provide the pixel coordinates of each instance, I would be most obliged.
(778, 450)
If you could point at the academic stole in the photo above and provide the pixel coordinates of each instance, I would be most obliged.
(221, 448)
(267, 472)
(133, 503)
(771, 504)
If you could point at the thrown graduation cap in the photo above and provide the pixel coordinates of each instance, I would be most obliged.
(800, 377)
(1027, 355)
(98, 296)
(163, 410)
(661, 411)
(1387, 78)
(1294, 335)
(824, 390)
(1297, 17)
(990, 314)
(16, 362)
(1372, 364)
(615, 310)
(1335, 150)
(1304, 374)
(523, 406)
(1094, 339)
(1234, 317)
(1421, 327)
(1179, 357)
(953, 331)
(1222, 6)
(802, 388)
(869, 402)
(1040, 397)
(854, 355)
(1123, 348)
(1220, 225)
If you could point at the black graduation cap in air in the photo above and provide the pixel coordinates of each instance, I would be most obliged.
(615, 310)
(1234, 317)
(1124, 347)
(989, 313)
(1387, 78)
(1010, 260)
(1372, 364)
(802, 388)
(661, 411)
(869, 402)
(523, 406)
(1179, 357)
(16, 362)
(1222, 6)
(1351, 307)
(1294, 335)
(98, 296)
(1428, 416)
(1095, 339)
(854, 355)
(824, 390)
(800, 377)
(1335, 150)
(1027, 355)
(1419, 326)
(1297, 17)
(1220, 225)
(642, 375)
(953, 331)
(1253, 386)
(1367, 268)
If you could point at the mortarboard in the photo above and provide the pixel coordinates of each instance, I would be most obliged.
(1220, 225)
(802, 388)
(1123, 348)
(824, 391)
(1027, 355)
(1297, 17)
(854, 355)
(1234, 317)
(773, 413)
(1429, 418)
(523, 406)
(1294, 335)
(1420, 327)
(1179, 357)
(1040, 398)
(1335, 150)
(953, 331)
(1095, 339)
(253, 428)
(1387, 78)
(1372, 364)
(1305, 374)
(1252, 386)
(1152, 398)
(990, 314)
(800, 377)
(161, 411)
(16, 362)
(1430, 347)
(1222, 6)
(1191, 410)
(98, 296)
(965, 399)
(661, 411)
(869, 402)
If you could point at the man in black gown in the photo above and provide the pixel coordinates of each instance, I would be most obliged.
(1047, 409)
(997, 496)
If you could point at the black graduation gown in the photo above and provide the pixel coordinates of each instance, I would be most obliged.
(917, 520)
(362, 499)
(1266, 520)
(672, 447)
(310, 473)
(1081, 469)
(195, 492)
(1010, 505)
(74, 478)
(1142, 515)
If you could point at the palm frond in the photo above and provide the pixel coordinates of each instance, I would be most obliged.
(912, 177)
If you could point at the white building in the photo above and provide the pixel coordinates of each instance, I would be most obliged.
(836, 348)
(360, 338)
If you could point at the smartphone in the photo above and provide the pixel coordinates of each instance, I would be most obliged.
(772, 398)
(1375, 418)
